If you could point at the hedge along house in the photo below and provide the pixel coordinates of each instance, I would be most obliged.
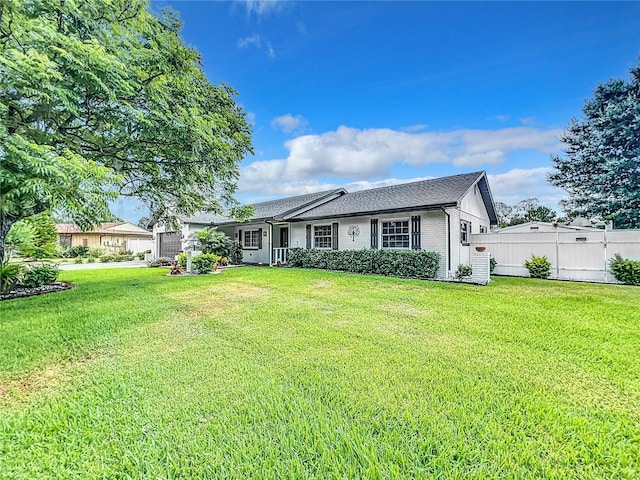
(436, 215)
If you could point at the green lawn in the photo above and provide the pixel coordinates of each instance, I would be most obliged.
(277, 373)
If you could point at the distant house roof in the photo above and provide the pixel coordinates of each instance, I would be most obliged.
(429, 194)
(280, 209)
(106, 228)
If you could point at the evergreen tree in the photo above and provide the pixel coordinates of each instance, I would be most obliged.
(601, 167)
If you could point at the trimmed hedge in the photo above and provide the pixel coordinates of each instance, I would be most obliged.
(392, 263)
(625, 270)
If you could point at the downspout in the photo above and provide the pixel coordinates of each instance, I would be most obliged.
(448, 239)
(270, 223)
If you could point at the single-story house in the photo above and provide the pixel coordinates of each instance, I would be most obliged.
(437, 214)
(116, 237)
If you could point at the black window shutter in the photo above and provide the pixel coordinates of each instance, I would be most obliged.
(374, 233)
(308, 236)
(334, 236)
(240, 237)
(415, 232)
(260, 239)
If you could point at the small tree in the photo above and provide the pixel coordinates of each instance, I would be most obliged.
(539, 267)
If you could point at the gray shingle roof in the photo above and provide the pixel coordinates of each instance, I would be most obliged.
(275, 209)
(424, 194)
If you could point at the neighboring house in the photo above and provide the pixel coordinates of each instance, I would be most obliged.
(437, 215)
(116, 237)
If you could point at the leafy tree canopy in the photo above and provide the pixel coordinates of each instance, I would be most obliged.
(100, 98)
(600, 169)
(527, 210)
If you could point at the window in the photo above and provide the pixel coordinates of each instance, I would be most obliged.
(322, 236)
(251, 238)
(464, 232)
(483, 229)
(395, 234)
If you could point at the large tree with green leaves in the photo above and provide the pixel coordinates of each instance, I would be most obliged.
(601, 166)
(102, 97)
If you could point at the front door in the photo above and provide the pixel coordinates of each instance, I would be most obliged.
(284, 237)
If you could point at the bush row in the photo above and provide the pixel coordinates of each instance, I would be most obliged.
(392, 263)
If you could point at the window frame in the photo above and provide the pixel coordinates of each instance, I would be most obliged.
(465, 231)
(323, 238)
(385, 238)
(249, 234)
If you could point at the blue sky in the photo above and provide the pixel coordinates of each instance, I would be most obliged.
(364, 94)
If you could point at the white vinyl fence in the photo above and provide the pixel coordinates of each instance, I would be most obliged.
(139, 245)
(575, 255)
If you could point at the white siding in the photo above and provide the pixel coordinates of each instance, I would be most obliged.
(472, 209)
(253, 255)
(433, 232)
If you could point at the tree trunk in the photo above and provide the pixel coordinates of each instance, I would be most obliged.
(5, 226)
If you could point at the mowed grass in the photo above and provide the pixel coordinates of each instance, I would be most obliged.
(278, 373)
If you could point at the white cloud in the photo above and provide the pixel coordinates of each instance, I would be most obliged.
(257, 41)
(254, 40)
(517, 184)
(289, 123)
(364, 154)
(262, 7)
(272, 188)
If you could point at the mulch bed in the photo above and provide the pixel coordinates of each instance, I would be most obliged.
(19, 292)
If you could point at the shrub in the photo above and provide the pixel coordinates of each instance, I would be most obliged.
(10, 275)
(182, 260)
(235, 254)
(39, 275)
(205, 263)
(140, 255)
(223, 262)
(96, 252)
(492, 264)
(539, 267)
(159, 262)
(77, 251)
(79, 260)
(47, 251)
(107, 258)
(91, 260)
(463, 271)
(213, 241)
(393, 263)
(625, 270)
